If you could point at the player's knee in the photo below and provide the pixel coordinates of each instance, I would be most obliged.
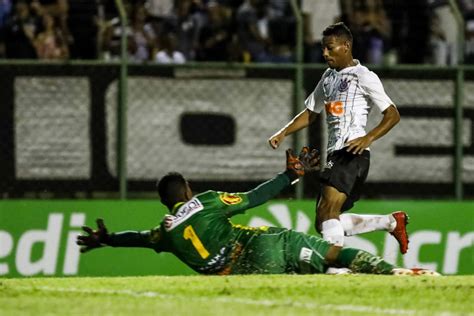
(324, 214)
(328, 209)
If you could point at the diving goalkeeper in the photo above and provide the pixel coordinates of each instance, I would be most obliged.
(199, 232)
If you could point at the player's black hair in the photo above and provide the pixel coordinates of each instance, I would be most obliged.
(171, 188)
(339, 30)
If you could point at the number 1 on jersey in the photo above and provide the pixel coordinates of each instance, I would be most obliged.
(189, 233)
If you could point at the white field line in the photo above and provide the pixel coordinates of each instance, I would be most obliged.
(240, 300)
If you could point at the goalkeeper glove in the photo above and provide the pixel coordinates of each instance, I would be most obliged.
(94, 238)
(309, 159)
(296, 167)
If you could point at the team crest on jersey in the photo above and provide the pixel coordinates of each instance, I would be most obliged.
(230, 199)
(344, 85)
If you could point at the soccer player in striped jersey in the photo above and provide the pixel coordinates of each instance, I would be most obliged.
(347, 92)
(199, 232)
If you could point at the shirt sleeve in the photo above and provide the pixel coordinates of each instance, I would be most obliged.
(137, 239)
(237, 203)
(315, 101)
(373, 88)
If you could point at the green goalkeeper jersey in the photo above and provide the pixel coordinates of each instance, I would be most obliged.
(199, 232)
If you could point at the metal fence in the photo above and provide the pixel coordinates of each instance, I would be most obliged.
(211, 122)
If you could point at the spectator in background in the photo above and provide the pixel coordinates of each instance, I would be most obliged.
(443, 34)
(410, 22)
(19, 33)
(140, 34)
(83, 20)
(370, 27)
(111, 38)
(469, 49)
(112, 31)
(281, 31)
(216, 34)
(50, 42)
(278, 8)
(236, 51)
(5, 11)
(467, 8)
(251, 29)
(439, 46)
(168, 53)
(142, 37)
(232, 4)
(186, 22)
(317, 14)
(58, 9)
(158, 12)
(159, 8)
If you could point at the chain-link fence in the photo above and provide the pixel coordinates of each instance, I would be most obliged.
(59, 129)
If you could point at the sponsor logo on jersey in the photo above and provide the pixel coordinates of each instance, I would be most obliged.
(230, 199)
(305, 260)
(184, 212)
(305, 254)
(344, 85)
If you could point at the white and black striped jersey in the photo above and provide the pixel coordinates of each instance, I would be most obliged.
(347, 96)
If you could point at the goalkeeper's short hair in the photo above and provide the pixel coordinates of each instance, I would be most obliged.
(171, 188)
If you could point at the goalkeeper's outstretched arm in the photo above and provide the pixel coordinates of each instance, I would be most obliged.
(101, 237)
(296, 167)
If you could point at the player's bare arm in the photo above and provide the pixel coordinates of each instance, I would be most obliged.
(101, 237)
(391, 117)
(300, 121)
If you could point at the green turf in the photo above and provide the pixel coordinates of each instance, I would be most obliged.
(239, 295)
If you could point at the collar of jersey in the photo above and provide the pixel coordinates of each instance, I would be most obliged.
(357, 63)
(175, 207)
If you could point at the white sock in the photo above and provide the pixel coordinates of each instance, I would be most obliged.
(333, 232)
(354, 224)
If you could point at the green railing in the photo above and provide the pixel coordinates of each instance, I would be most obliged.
(122, 104)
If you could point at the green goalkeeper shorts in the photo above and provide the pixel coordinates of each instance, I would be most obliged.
(280, 251)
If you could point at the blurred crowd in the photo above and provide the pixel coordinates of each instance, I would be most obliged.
(177, 31)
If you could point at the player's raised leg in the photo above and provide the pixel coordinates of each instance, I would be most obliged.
(395, 223)
(400, 230)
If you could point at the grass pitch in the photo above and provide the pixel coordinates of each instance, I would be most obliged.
(239, 295)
